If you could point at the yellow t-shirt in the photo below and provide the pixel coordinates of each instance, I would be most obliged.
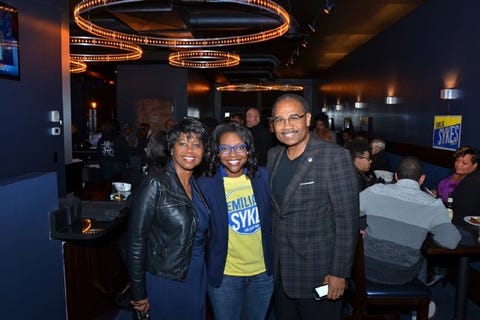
(245, 250)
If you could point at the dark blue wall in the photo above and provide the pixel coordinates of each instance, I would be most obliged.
(25, 144)
(32, 264)
(414, 57)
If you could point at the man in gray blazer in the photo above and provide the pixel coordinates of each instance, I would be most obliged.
(315, 215)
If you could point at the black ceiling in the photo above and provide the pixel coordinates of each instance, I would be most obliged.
(313, 43)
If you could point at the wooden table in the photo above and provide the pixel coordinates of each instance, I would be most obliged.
(469, 247)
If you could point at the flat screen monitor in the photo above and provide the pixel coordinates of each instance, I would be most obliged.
(9, 61)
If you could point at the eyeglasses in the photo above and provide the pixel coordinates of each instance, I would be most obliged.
(226, 149)
(366, 158)
(291, 119)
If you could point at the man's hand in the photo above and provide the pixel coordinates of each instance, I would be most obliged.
(336, 287)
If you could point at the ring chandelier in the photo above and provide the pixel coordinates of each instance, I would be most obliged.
(133, 52)
(77, 66)
(203, 59)
(248, 87)
(87, 5)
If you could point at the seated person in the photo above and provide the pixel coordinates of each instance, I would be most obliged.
(360, 153)
(466, 160)
(399, 217)
(380, 159)
(466, 201)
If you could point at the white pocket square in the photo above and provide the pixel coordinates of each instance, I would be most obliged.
(306, 183)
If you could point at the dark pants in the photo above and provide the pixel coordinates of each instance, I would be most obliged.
(287, 308)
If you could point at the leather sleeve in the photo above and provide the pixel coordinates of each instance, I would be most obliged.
(140, 223)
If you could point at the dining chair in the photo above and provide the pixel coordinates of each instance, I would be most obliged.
(370, 299)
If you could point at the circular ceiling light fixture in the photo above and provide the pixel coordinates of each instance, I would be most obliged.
(88, 5)
(77, 66)
(131, 51)
(286, 87)
(248, 87)
(243, 87)
(203, 59)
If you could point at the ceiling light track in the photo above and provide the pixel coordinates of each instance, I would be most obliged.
(88, 5)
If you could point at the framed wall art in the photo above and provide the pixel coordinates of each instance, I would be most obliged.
(9, 59)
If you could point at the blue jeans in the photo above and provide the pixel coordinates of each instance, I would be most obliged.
(241, 298)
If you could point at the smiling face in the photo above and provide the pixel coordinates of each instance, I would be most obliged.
(233, 161)
(464, 165)
(294, 129)
(187, 153)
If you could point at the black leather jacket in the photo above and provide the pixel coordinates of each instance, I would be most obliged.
(161, 230)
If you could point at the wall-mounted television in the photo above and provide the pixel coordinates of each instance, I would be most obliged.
(9, 60)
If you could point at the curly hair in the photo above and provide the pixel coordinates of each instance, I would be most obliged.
(213, 158)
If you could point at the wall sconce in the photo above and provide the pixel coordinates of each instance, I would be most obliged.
(338, 107)
(324, 109)
(359, 105)
(450, 94)
(391, 100)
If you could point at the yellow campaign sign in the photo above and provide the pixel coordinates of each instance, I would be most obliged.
(447, 132)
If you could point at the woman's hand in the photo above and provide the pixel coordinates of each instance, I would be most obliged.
(141, 305)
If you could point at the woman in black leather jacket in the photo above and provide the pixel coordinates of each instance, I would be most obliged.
(167, 230)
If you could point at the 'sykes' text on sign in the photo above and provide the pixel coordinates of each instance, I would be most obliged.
(447, 132)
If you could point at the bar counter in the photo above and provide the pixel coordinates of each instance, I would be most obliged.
(94, 270)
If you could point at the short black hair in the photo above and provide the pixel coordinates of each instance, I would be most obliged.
(213, 159)
(292, 96)
(357, 148)
(410, 168)
(190, 127)
(321, 117)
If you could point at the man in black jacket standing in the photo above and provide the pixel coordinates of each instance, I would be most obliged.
(315, 215)
(261, 135)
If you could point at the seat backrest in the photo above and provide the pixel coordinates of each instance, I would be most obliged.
(395, 295)
(358, 277)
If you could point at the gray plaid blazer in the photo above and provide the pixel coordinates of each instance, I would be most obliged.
(315, 228)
